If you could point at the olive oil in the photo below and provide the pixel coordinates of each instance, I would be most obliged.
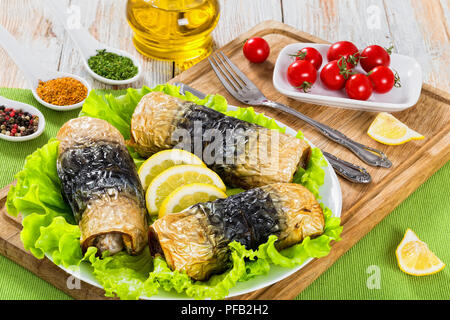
(174, 30)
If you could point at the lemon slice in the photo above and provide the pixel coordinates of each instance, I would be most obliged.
(163, 160)
(414, 257)
(185, 196)
(168, 180)
(389, 130)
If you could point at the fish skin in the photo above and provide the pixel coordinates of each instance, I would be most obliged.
(100, 182)
(266, 156)
(196, 240)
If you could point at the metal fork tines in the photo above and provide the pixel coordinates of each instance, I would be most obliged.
(244, 90)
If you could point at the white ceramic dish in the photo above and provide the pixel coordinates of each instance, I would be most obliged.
(397, 99)
(331, 197)
(27, 108)
(50, 75)
(116, 51)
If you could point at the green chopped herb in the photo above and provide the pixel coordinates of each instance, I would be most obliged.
(112, 66)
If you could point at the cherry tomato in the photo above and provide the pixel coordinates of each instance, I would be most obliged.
(334, 74)
(344, 49)
(256, 50)
(383, 79)
(374, 56)
(310, 54)
(358, 87)
(302, 74)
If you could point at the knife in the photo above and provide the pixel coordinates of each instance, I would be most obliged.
(345, 169)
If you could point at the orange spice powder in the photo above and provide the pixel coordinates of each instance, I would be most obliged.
(62, 91)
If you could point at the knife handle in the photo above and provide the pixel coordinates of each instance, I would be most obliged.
(185, 88)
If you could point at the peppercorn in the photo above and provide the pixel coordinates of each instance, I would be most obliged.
(17, 122)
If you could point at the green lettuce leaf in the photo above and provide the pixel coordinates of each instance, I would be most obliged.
(38, 189)
(123, 275)
(61, 240)
(37, 196)
(49, 227)
(217, 287)
(313, 176)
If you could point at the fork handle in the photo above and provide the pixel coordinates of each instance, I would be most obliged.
(369, 155)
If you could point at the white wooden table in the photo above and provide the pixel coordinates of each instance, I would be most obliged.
(418, 28)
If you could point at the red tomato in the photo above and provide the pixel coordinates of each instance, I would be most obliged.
(344, 49)
(383, 79)
(334, 74)
(310, 54)
(358, 87)
(374, 56)
(302, 74)
(256, 50)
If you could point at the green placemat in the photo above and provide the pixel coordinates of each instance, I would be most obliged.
(367, 271)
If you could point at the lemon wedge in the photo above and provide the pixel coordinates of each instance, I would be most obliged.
(414, 257)
(163, 160)
(185, 196)
(170, 179)
(389, 130)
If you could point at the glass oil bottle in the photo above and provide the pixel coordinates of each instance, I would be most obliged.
(173, 30)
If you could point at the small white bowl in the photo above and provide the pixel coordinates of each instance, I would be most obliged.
(57, 75)
(397, 99)
(110, 81)
(27, 108)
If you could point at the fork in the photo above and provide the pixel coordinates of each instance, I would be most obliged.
(244, 90)
(345, 169)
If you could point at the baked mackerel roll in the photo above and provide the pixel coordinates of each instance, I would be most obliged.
(243, 154)
(196, 240)
(100, 182)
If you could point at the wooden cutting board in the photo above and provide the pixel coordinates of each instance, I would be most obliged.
(364, 206)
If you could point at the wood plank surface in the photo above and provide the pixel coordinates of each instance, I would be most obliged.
(363, 205)
(25, 21)
(416, 27)
(32, 24)
(427, 40)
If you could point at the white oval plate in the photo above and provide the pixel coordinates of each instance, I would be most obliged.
(397, 99)
(331, 196)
